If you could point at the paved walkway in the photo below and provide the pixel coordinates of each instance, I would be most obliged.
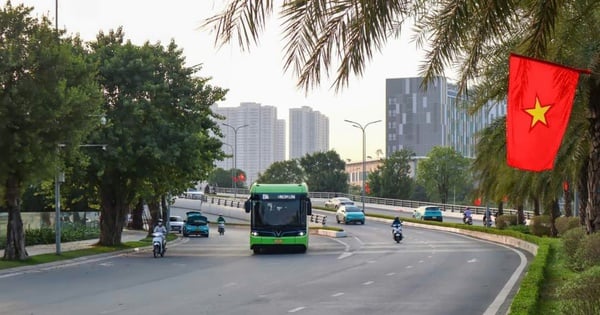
(127, 236)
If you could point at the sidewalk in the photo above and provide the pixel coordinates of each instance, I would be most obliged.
(127, 236)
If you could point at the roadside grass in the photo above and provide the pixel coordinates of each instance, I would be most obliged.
(557, 273)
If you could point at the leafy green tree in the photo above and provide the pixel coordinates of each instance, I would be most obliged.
(161, 132)
(48, 92)
(283, 172)
(221, 178)
(441, 171)
(395, 175)
(392, 179)
(325, 171)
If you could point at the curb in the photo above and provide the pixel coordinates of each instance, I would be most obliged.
(10, 272)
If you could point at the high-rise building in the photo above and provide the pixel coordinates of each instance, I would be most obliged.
(419, 119)
(259, 144)
(309, 132)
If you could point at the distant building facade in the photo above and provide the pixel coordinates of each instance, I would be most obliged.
(309, 132)
(259, 145)
(419, 119)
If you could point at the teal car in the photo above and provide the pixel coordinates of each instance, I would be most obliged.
(429, 213)
(350, 214)
(195, 224)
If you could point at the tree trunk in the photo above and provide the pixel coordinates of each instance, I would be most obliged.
(536, 206)
(15, 235)
(164, 207)
(137, 220)
(554, 213)
(583, 192)
(45, 218)
(114, 208)
(520, 215)
(568, 200)
(154, 206)
(500, 208)
(592, 217)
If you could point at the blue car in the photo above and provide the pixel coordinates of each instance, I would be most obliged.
(429, 213)
(350, 214)
(195, 224)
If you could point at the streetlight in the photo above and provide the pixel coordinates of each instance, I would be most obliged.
(235, 130)
(59, 179)
(232, 182)
(361, 127)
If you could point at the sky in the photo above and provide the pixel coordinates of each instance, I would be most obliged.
(254, 76)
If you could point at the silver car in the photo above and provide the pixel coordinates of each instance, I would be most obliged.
(176, 223)
(336, 202)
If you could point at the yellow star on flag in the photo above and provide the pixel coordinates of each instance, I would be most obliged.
(538, 113)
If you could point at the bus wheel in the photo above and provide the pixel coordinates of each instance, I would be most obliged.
(256, 250)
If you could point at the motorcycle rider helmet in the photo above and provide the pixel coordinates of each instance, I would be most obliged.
(160, 222)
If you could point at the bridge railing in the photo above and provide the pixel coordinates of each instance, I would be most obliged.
(318, 218)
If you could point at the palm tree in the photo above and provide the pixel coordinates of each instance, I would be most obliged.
(471, 36)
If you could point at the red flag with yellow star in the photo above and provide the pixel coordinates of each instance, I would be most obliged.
(540, 97)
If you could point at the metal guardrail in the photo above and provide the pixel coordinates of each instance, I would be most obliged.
(388, 202)
(318, 218)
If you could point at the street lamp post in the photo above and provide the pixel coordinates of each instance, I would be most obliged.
(59, 179)
(364, 155)
(235, 131)
(232, 182)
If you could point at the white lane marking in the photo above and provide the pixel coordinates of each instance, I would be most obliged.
(230, 284)
(409, 267)
(294, 310)
(368, 282)
(346, 252)
(344, 255)
(106, 264)
(337, 294)
(421, 261)
(371, 261)
(472, 260)
(359, 240)
(390, 273)
(503, 295)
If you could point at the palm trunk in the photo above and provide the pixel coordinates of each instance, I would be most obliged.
(15, 235)
(583, 193)
(568, 200)
(554, 213)
(536, 206)
(520, 215)
(137, 220)
(592, 218)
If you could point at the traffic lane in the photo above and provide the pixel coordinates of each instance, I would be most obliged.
(480, 269)
(128, 283)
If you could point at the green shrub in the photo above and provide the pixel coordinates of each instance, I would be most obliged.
(506, 220)
(588, 252)
(527, 299)
(581, 295)
(563, 224)
(524, 229)
(540, 225)
(571, 242)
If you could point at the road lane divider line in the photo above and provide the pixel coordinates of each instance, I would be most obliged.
(337, 294)
(294, 310)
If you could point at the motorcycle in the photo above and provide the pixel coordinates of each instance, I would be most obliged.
(397, 232)
(158, 246)
(468, 220)
(221, 228)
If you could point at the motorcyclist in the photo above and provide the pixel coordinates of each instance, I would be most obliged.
(467, 215)
(221, 223)
(160, 228)
(396, 222)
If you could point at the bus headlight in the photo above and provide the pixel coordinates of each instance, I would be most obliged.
(254, 233)
(301, 233)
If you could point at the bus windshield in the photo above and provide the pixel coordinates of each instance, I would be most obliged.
(278, 213)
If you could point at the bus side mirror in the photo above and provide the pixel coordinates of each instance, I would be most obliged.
(308, 207)
(247, 206)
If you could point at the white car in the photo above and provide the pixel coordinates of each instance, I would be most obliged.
(176, 223)
(337, 202)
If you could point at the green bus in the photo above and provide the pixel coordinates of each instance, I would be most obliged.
(278, 216)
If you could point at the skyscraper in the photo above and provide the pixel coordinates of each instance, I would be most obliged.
(419, 119)
(259, 144)
(309, 132)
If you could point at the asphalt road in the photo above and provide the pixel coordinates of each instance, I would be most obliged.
(429, 272)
